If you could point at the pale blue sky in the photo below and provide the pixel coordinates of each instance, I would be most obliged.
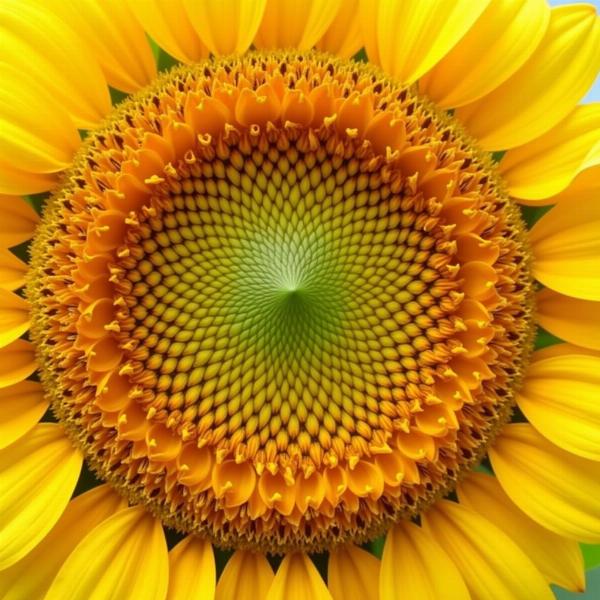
(594, 93)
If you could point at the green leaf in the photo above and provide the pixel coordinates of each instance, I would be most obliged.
(532, 214)
(592, 588)
(591, 555)
(543, 339)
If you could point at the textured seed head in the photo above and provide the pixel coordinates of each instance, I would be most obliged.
(281, 301)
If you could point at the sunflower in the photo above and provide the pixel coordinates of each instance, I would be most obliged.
(275, 282)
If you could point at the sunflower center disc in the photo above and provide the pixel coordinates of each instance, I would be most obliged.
(281, 301)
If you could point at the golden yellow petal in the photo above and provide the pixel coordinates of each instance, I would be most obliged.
(37, 476)
(123, 557)
(17, 181)
(247, 576)
(31, 577)
(12, 270)
(492, 565)
(546, 88)
(576, 321)
(36, 133)
(561, 350)
(555, 488)
(352, 574)
(584, 188)
(40, 45)
(560, 399)
(17, 362)
(295, 24)
(21, 406)
(502, 40)
(114, 37)
(412, 36)
(298, 579)
(18, 221)
(558, 559)
(226, 26)
(566, 249)
(14, 317)
(344, 36)
(547, 165)
(192, 571)
(415, 566)
(170, 27)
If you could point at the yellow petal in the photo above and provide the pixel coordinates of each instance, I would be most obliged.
(123, 557)
(12, 270)
(493, 566)
(14, 317)
(298, 25)
(44, 48)
(555, 488)
(412, 36)
(584, 188)
(226, 26)
(17, 181)
(37, 476)
(36, 133)
(352, 574)
(114, 37)
(500, 42)
(415, 566)
(32, 575)
(169, 26)
(344, 36)
(561, 350)
(547, 165)
(576, 321)
(192, 571)
(560, 399)
(17, 362)
(566, 249)
(18, 221)
(247, 576)
(298, 579)
(21, 407)
(546, 88)
(558, 559)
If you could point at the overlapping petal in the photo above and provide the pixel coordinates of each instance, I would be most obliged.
(344, 35)
(415, 566)
(493, 49)
(21, 407)
(298, 579)
(546, 88)
(558, 559)
(247, 576)
(37, 476)
(192, 571)
(18, 221)
(17, 362)
(14, 317)
(557, 489)
(12, 270)
(124, 557)
(352, 574)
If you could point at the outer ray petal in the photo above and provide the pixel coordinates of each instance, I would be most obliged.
(17, 181)
(247, 576)
(43, 47)
(14, 317)
(37, 476)
(547, 165)
(123, 557)
(561, 350)
(546, 88)
(584, 188)
(21, 405)
(555, 488)
(295, 24)
(114, 36)
(17, 362)
(168, 24)
(493, 566)
(12, 270)
(226, 26)
(192, 571)
(500, 42)
(344, 36)
(560, 399)
(566, 248)
(32, 575)
(298, 579)
(558, 559)
(36, 134)
(18, 221)
(576, 321)
(411, 36)
(352, 573)
(415, 566)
